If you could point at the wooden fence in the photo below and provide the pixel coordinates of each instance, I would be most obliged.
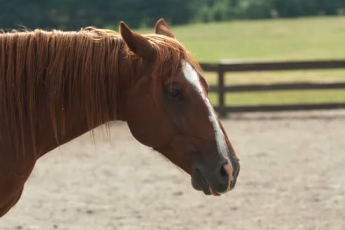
(221, 89)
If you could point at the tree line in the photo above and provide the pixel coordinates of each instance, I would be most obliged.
(74, 14)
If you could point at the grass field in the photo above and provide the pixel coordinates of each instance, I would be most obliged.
(292, 39)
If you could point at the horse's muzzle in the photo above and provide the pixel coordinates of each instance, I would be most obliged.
(217, 180)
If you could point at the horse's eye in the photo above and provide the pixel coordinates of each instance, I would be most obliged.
(174, 93)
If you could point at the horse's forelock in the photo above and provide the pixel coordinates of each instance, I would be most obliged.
(169, 54)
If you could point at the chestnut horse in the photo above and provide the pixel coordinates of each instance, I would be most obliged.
(56, 86)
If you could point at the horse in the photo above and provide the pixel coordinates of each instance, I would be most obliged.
(57, 85)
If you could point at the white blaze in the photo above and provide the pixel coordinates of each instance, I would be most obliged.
(192, 76)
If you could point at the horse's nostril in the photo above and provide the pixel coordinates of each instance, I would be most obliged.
(223, 178)
(223, 172)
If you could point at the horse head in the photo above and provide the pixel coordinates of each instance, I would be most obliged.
(167, 108)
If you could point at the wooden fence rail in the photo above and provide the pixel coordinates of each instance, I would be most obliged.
(221, 89)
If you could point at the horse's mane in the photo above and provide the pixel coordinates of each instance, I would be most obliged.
(77, 69)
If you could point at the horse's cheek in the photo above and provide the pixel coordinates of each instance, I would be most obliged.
(150, 129)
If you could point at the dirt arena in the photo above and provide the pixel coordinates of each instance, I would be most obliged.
(292, 177)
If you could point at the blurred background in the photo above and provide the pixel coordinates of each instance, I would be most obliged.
(73, 14)
(292, 174)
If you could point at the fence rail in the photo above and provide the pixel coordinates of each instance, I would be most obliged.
(221, 89)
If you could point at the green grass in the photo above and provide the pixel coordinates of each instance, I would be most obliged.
(290, 39)
(282, 97)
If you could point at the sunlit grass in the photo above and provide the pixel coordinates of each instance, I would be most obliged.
(279, 77)
(304, 38)
(282, 97)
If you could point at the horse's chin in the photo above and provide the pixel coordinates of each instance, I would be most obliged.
(199, 183)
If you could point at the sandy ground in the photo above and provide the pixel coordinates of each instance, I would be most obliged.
(292, 177)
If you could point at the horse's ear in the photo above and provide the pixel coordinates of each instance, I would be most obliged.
(163, 29)
(137, 43)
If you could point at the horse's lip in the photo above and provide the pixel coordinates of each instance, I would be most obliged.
(214, 193)
(208, 190)
(199, 183)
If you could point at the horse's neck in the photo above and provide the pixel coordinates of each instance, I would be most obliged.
(75, 123)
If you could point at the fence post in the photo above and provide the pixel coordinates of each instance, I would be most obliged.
(221, 91)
